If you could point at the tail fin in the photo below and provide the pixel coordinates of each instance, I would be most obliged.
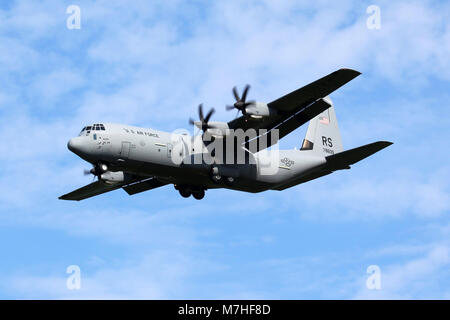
(322, 136)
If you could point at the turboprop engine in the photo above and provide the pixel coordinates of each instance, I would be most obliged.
(111, 177)
(258, 110)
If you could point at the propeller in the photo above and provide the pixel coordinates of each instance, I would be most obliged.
(241, 104)
(203, 123)
(97, 170)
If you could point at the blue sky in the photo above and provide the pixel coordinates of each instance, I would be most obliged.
(150, 63)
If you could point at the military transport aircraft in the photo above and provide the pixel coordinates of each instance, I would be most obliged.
(140, 159)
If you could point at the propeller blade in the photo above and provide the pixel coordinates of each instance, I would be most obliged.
(200, 111)
(249, 103)
(240, 103)
(244, 94)
(236, 94)
(210, 113)
(203, 123)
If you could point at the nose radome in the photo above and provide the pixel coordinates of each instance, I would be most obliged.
(71, 144)
(75, 145)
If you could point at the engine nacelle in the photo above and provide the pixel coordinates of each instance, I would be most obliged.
(219, 129)
(111, 177)
(259, 110)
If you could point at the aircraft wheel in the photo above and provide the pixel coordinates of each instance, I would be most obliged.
(199, 195)
(229, 181)
(185, 193)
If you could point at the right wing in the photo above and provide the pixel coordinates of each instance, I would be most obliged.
(99, 187)
(143, 185)
(92, 189)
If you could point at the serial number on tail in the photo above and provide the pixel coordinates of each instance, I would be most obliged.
(327, 142)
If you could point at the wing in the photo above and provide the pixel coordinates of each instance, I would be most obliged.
(143, 185)
(315, 90)
(299, 106)
(92, 189)
(286, 126)
(99, 187)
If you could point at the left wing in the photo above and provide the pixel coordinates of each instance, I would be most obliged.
(99, 187)
(286, 126)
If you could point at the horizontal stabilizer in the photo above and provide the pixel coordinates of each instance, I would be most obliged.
(343, 160)
(338, 161)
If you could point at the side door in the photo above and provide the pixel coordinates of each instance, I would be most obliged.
(125, 151)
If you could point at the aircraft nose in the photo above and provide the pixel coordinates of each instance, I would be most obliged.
(76, 145)
(71, 145)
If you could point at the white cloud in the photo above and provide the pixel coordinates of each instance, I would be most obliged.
(369, 196)
(411, 279)
(160, 275)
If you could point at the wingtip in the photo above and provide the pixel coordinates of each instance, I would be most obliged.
(351, 71)
(384, 144)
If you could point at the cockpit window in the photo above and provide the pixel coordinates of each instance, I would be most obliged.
(96, 127)
(82, 131)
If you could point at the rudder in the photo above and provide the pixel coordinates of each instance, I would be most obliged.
(323, 137)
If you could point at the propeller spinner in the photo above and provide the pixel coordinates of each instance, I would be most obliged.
(241, 104)
(97, 170)
(203, 123)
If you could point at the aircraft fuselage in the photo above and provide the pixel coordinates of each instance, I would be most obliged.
(148, 152)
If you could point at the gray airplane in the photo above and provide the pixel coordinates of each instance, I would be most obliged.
(140, 159)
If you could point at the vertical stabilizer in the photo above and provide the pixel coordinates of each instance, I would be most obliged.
(323, 137)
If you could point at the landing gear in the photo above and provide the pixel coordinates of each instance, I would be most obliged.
(199, 195)
(185, 193)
